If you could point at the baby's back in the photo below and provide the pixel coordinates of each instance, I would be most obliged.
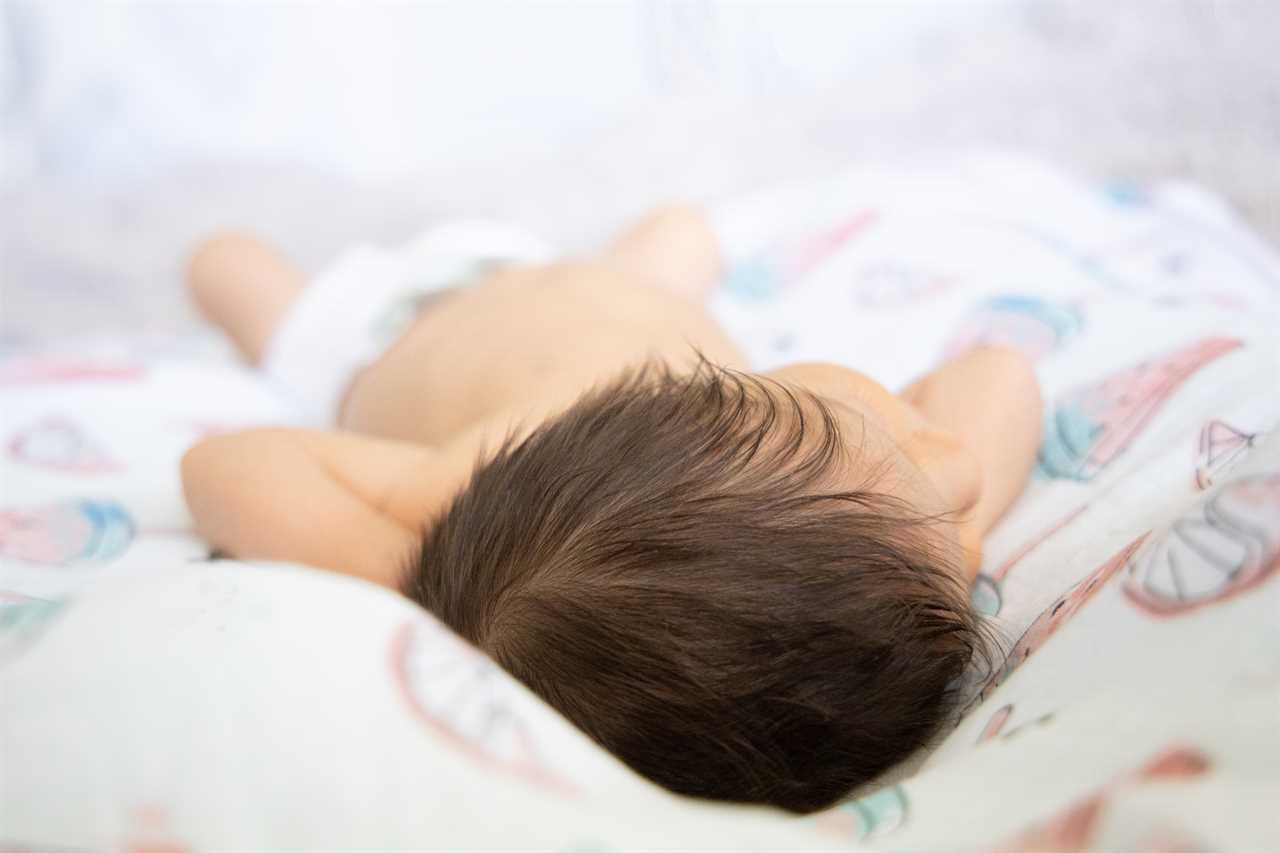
(521, 346)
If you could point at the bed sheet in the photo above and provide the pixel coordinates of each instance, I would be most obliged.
(156, 696)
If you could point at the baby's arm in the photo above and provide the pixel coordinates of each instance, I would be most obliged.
(990, 399)
(338, 501)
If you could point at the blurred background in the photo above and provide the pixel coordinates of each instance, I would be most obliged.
(128, 130)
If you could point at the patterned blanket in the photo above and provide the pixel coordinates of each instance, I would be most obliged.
(157, 697)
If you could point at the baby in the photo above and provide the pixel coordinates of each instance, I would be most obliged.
(747, 586)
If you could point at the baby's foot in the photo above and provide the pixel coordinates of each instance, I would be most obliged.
(675, 248)
(244, 286)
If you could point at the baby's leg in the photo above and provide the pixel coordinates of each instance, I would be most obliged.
(675, 248)
(244, 286)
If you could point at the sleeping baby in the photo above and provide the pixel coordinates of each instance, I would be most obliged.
(747, 586)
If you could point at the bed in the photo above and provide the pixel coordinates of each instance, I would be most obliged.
(157, 696)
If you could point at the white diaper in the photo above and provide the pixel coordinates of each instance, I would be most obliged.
(353, 311)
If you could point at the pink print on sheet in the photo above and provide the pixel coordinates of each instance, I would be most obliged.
(895, 283)
(1092, 426)
(469, 701)
(1056, 615)
(786, 263)
(995, 724)
(1225, 546)
(1035, 327)
(1072, 830)
(66, 532)
(1220, 446)
(57, 370)
(998, 724)
(60, 444)
(987, 596)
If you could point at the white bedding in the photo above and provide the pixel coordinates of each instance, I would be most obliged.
(153, 697)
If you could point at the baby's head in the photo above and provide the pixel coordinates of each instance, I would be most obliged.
(733, 585)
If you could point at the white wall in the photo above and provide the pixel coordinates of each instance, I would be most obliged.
(129, 130)
(128, 90)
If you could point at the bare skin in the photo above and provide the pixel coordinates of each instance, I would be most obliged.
(498, 358)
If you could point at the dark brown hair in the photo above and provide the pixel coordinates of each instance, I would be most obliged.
(662, 564)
